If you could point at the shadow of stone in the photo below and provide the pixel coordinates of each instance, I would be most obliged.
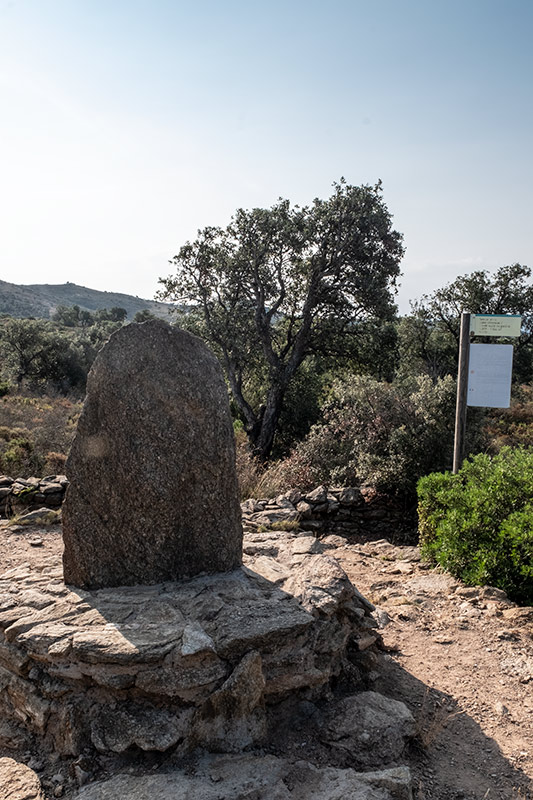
(125, 670)
(452, 758)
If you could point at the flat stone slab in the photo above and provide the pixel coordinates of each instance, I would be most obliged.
(141, 625)
(247, 776)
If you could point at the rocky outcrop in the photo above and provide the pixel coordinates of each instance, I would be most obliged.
(153, 488)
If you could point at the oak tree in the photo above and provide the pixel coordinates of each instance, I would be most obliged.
(278, 285)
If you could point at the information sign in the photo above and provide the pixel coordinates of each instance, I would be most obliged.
(489, 375)
(495, 324)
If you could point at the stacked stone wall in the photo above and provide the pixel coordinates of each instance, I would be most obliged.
(341, 510)
(26, 494)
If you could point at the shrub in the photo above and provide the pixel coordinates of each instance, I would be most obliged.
(17, 457)
(297, 471)
(378, 433)
(55, 463)
(35, 433)
(478, 524)
(16, 451)
(512, 426)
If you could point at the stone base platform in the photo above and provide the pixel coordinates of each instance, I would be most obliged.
(174, 665)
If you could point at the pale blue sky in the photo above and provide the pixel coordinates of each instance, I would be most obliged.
(126, 126)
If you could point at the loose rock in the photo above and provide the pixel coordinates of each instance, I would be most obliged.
(18, 782)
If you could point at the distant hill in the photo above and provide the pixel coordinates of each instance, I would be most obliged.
(41, 300)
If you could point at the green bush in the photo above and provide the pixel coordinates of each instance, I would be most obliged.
(16, 453)
(478, 524)
(512, 426)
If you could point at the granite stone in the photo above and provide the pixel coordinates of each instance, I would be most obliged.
(153, 492)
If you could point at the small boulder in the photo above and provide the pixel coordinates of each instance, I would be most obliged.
(18, 782)
(372, 728)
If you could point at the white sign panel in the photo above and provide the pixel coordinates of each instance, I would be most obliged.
(489, 375)
(495, 324)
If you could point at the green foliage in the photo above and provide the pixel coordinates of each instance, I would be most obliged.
(429, 338)
(34, 351)
(478, 524)
(143, 315)
(72, 317)
(76, 317)
(302, 405)
(282, 284)
(425, 347)
(512, 426)
(42, 354)
(383, 434)
(16, 451)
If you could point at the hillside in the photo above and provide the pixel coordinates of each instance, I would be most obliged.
(41, 300)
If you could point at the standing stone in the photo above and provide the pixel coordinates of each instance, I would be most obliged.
(153, 493)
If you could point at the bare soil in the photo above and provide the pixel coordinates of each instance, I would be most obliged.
(462, 661)
(460, 658)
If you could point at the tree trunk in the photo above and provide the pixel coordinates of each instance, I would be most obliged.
(263, 435)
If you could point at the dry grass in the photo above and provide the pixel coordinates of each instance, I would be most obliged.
(258, 480)
(284, 525)
(36, 433)
(249, 470)
(431, 720)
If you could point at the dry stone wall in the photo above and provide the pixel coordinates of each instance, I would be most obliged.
(341, 510)
(195, 662)
(26, 494)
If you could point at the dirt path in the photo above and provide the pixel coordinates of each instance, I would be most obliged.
(461, 659)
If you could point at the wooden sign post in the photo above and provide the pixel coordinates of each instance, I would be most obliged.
(462, 390)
